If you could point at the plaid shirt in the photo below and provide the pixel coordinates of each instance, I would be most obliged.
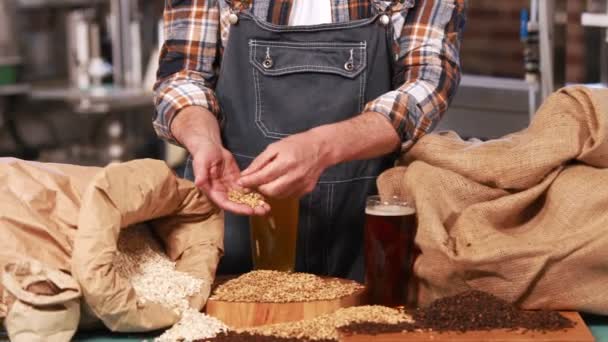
(427, 37)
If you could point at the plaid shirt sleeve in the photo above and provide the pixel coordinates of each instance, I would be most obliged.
(426, 67)
(187, 69)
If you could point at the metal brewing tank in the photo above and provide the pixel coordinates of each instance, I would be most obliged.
(8, 45)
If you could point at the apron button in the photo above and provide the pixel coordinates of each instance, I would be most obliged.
(233, 18)
(385, 20)
(267, 63)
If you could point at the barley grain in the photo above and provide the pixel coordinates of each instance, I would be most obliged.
(282, 287)
(326, 326)
(252, 199)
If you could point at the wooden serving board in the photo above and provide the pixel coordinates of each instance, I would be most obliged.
(580, 333)
(244, 314)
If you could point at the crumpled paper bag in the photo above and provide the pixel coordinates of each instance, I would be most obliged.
(68, 217)
(45, 303)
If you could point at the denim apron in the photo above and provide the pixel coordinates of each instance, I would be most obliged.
(280, 80)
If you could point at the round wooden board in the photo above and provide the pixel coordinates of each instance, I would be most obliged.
(244, 314)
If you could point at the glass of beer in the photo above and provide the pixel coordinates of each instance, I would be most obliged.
(274, 236)
(390, 228)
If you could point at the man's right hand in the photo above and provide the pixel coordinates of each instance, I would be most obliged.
(215, 170)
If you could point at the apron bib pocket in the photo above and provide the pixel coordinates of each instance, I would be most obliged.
(285, 91)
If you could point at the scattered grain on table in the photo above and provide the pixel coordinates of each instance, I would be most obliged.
(468, 311)
(233, 336)
(325, 326)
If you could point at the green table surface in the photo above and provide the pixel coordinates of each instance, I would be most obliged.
(597, 324)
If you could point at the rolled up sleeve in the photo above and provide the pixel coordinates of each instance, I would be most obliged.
(187, 70)
(426, 65)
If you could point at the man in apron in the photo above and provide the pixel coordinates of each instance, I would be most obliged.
(303, 98)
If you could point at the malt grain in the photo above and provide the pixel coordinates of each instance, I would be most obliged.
(232, 336)
(472, 310)
(325, 326)
(251, 199)
(283, 287)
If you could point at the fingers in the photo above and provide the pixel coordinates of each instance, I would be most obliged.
(290, 186)
(217, 179)
(280, 188)
(261, 161)
(201, 178)
(216, 170)
(206, 168)
(262, 210)
(270, 172)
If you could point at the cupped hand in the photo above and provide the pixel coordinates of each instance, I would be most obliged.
(216, 173)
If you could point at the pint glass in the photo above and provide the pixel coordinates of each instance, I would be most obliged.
(274, 236)
(390, 228)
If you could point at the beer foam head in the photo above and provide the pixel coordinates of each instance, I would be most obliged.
(389, 210)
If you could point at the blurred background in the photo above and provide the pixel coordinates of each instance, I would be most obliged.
(76, 76)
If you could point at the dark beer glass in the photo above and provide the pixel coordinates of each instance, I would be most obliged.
(390, 228)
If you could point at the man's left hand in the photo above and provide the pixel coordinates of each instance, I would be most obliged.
(288, 168)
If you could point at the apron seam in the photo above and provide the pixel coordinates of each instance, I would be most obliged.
(362, 90)
(354, 179)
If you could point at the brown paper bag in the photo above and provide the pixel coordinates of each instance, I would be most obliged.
(68, 217)
(188, 224)
(50, 314)
(524, 217)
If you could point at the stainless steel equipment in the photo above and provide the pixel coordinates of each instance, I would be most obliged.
(126, 43)
(600, 19)
(9, 48)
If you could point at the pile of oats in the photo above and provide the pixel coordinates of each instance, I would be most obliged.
(142, 261)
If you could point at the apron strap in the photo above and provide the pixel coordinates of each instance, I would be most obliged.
(237, 6)
(381, 9)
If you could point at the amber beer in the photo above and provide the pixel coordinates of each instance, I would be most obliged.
(273, 237)
(390, 228)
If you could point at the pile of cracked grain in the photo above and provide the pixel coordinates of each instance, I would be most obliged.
(326, 326)
(251, 199)
(471, 310)
(233, 336)
(141, 260)
(319, 329)
(283, 287)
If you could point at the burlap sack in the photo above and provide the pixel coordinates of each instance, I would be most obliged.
(524, 217)
(68, 217)
(44, 303)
